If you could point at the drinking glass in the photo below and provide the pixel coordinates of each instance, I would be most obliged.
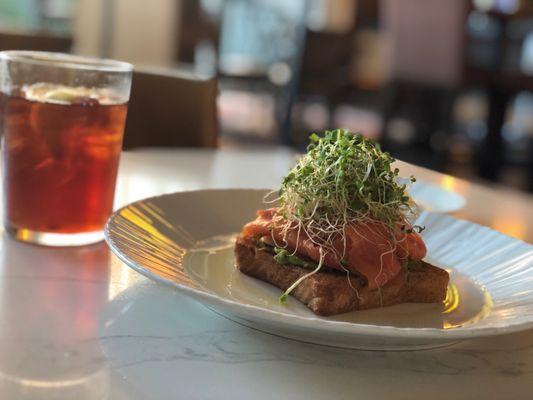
(62, 118)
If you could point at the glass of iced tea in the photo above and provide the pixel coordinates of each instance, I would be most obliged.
(62, 118)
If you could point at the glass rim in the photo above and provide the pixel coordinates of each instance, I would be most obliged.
(65, 60)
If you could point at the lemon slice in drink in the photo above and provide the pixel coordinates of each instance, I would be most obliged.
(65, 94)
(49, 93)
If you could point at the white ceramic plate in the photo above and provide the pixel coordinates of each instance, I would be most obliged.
(185, 240)
(434, 198)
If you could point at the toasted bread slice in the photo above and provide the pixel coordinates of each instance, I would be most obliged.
(332, 292)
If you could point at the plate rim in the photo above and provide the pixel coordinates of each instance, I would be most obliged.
(313, 322)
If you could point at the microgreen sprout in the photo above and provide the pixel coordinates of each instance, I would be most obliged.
(344, 176)
(344, 179)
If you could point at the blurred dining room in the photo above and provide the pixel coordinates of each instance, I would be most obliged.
(117, 273)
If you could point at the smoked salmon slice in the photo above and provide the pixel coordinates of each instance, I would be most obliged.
(371, 249)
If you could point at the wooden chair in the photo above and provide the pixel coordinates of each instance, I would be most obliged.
(34, 41)
(171, 108)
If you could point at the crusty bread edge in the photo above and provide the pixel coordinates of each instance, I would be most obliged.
(327, 293)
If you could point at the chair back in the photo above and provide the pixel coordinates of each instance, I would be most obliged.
(34, 41)
(171, 108)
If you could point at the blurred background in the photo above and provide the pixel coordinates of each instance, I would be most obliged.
(443, 84)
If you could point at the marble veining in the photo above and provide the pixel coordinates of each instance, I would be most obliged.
(234, 344)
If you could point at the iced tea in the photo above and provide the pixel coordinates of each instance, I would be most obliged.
(61, 150)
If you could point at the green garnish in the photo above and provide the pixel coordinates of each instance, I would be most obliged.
(283, 297)
(344, 179)
(284, 256)
(343, 176)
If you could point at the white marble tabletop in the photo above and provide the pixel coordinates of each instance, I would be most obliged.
(78, 324)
